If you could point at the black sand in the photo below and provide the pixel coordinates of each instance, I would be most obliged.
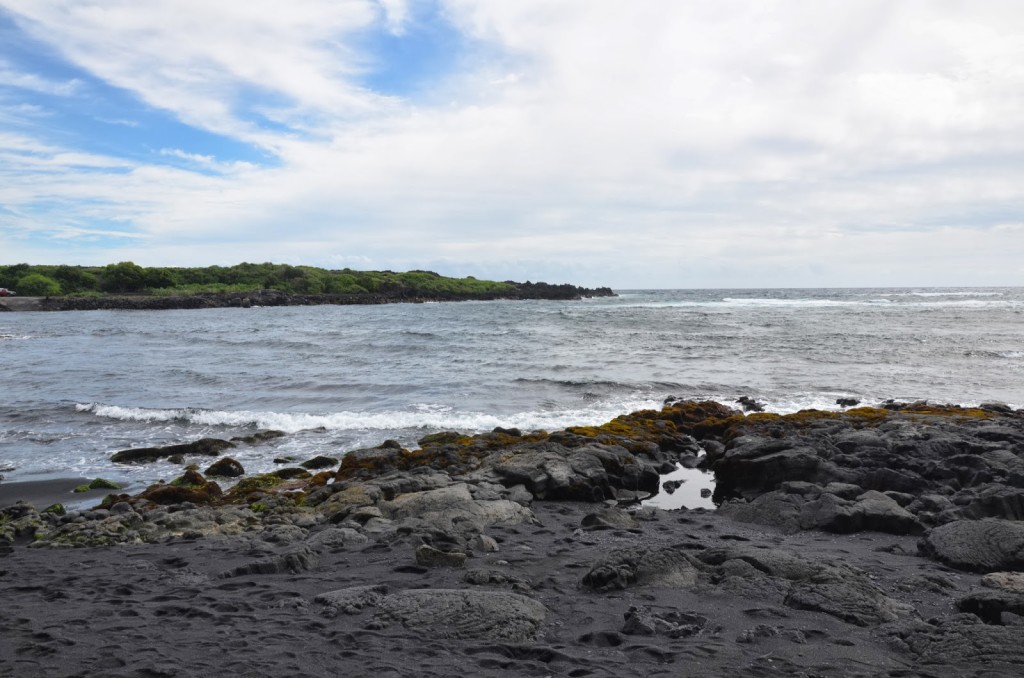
(43, 493)
(165, 610)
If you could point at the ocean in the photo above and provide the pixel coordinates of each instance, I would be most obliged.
(77, 386)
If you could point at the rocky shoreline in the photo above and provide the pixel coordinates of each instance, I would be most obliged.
(879, 541)
(528, 290)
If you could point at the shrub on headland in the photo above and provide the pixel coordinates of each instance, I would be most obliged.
(38, 285)
(127, 277)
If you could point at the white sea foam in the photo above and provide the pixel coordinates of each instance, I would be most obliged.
(947, 294)
(422, 416)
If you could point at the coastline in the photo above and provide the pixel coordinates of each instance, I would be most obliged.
(875, 541)
(256, 298)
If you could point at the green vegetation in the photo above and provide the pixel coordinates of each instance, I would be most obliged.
(38, 285)
(129, 278)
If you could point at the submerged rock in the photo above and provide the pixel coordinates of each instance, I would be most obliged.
(207, 447)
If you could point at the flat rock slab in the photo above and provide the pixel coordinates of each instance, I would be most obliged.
(834, 588)
(465, 614)
(964, 646)
(977, 545)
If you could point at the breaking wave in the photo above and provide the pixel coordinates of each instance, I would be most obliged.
(422, 417)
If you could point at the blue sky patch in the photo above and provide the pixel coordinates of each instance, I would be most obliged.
(406, 65)
(75, 110)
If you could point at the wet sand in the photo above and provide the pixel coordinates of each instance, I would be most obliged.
(43, 493)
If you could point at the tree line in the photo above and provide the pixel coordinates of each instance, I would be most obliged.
(127, 277)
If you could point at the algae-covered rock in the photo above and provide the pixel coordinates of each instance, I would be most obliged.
(97, 484)
(103, 484)
(292, 473)
(225, 467)
(317, 463)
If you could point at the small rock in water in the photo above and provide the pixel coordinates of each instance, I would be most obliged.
(671, 486)
(847, 402)
(749, 404)
(320, 462)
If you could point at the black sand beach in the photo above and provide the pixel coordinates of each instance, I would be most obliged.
(874, 543)
(44, 493)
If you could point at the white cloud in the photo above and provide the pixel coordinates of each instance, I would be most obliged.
(643, 143)
(396, 15)
(12, 77)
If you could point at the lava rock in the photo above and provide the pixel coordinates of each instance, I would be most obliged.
(977, 545)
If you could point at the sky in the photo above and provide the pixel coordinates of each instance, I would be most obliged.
(640, 144)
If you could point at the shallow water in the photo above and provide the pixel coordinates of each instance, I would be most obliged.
(78, 386)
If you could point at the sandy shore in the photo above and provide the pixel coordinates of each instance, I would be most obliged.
(176, 610)
(43, 493)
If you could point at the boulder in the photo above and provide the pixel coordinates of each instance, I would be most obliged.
(225, 467)
(871, 511)
(428, 556)
(609, 519)
(977, 545)
(317, 463)
(591, 472)
(753, 465)
(996, 501)
(645, 621)
(665, 567)
(452, 509)
(776, 509)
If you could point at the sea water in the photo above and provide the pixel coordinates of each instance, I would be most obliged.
(77, 386)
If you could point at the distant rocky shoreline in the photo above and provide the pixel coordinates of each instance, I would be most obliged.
(878, 541)
(256, 298)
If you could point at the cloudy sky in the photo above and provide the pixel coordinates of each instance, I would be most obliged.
(648, 143)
